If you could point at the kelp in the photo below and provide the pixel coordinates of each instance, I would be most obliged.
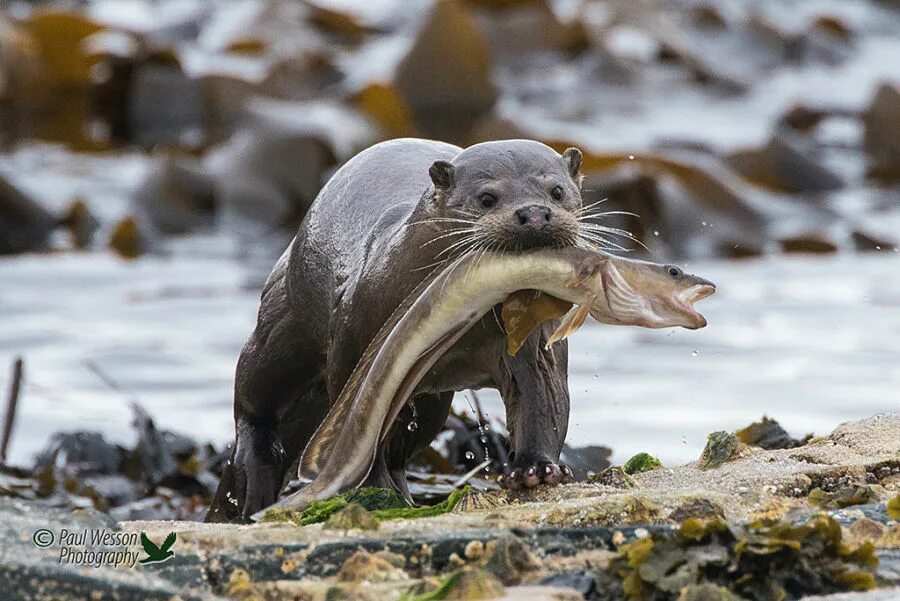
(381, 503)
(525, 310)
(642, 462)
(759, 561)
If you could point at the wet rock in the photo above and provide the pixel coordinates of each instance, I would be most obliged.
(720, 447)
(768, 434)
(470, 584)
(82, 225)
(36, 573)
(25, 226)
(352, 516)
(784, 166)
(843, 497)
(509, 559)
(177, 195)
(368, 567)
(86, 452)
(615, 477)
(867, 242)
(881, 137)
(893, 508)
(269, 173)
(584, 461)
(445, 78)
(642, 462)
(707, 592)
(582, 582)
(697, 508)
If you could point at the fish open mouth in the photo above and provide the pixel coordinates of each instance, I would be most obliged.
(694, 294)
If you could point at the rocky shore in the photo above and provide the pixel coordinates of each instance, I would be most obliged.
(740, 523)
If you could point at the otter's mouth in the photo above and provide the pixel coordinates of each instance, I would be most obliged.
(685, 302)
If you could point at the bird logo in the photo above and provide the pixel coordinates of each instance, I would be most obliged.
(157, 554)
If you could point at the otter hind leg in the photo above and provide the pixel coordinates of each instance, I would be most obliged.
(404, 440)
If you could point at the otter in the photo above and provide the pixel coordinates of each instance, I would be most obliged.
(375, 231)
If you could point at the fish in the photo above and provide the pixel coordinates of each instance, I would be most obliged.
(610, 289)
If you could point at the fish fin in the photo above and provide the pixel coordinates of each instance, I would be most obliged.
(573, 320)
(586, 268)
(525, 310)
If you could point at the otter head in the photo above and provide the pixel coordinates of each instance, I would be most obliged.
(510, 195)
(652, 296)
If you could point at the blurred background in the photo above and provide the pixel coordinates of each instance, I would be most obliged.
(157, 156)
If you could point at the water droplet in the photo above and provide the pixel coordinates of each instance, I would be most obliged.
(470, 455)
(684, 440)
(877, 247)
(704, 223)
(695, 353)
(483, 438)
(656, 232)
(412, 426)
(630, 157)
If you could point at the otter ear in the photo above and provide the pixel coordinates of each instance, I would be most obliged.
(573, 161)
(442, 174)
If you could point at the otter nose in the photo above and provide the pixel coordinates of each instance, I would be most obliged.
(535, 216)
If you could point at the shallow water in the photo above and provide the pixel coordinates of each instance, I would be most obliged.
(809, 341)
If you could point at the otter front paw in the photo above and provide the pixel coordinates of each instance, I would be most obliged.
(258, 462)
(530, 476)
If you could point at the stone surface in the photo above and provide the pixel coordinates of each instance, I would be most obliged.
(558, 536)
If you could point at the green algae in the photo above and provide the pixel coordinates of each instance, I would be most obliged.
(759, 561)
(381, 503)
(642, 462)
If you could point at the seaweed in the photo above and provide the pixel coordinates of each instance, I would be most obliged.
(642, 462)
(893, 508)
(759, 561)
(381, 503)
(844, 497)
(768, 434)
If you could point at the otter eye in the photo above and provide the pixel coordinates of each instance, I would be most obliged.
(674, 271)
(557, 193)
(487, 200)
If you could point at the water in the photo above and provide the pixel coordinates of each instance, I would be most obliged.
(809, 341)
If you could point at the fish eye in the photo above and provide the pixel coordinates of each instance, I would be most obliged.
(673, 271)
(487, 200)
(557, 193)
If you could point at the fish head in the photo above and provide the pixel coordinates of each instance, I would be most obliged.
(650, 295)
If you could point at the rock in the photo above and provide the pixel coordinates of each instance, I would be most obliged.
(843, 497)
(368, 567)
(469, 584)
(475, 500)
(582, 582)
(866, 242)
(177, 195)
(881, 136)
(697, 508)
(25, 226)
(36, 573)
(509, 559)
(720, 447)
(352, 516)
(642, 462)
(707, 592)
(893, 508)
(615, 477)
(586, 460)
(768, 434)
